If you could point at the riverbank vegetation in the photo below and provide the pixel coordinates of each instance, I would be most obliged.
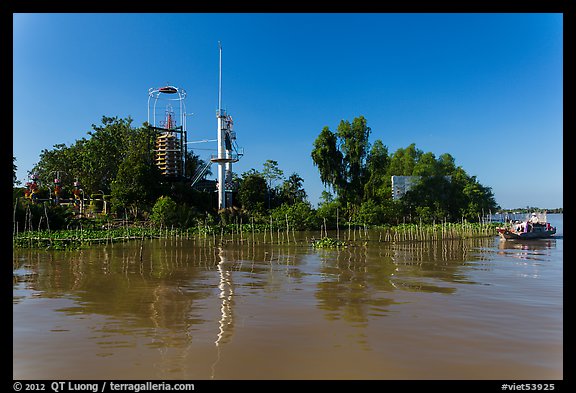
(90, 232)
(121, 184)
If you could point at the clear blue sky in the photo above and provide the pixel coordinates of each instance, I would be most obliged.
(486, 88)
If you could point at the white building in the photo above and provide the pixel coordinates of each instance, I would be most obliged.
(402, 184)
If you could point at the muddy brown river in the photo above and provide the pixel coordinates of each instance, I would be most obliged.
(191, 310)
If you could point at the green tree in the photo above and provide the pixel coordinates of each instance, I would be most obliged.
(62, 160)
(300, 216)
(94, 161)
(253, 191)
(164, 211)
(387, 212)
(329, 210)
(403, 161)
(446, 164)
(341, 158)
(105, 151)
(119, 159)
(328, 159)
(137, 183)
(271, 173)
(15, 180)
(354, 146)
(292, 190)
(450, 197)
(479, 200)
(431, 199)
(378, 184)
(426, 166)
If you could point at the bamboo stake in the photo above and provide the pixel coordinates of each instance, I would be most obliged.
(287, 230)
(271, 233)
(337, 224)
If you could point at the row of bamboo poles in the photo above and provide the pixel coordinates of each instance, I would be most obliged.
(274, 232)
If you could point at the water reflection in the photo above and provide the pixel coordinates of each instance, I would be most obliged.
(193, 308)
(533, 245)
(226, 322)
(162, 284)
(353, 286)
(437, 266)
(226, 295)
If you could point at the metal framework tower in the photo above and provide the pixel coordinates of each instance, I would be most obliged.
(171, 138)
(227, 152)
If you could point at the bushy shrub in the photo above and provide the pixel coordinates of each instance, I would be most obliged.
(164, 212)
(300, 216)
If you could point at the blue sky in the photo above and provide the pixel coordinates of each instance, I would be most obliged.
(486, 88)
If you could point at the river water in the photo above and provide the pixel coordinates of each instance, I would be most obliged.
(189, 309)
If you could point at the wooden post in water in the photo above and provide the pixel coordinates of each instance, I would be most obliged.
(271, 233)
(337, 224)
(278, 233)
(348, 228)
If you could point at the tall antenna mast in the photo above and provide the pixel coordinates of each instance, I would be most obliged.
(220, 79)
(225, 157)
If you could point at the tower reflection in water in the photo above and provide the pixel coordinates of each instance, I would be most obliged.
(227, 302)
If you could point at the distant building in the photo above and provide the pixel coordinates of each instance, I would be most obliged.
(402, 184)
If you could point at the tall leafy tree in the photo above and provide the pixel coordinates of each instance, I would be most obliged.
(411, 157)
(328, 159)
(272, 173)
(378, 184)
(354, 146)
(104, 152)
(341, 158)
